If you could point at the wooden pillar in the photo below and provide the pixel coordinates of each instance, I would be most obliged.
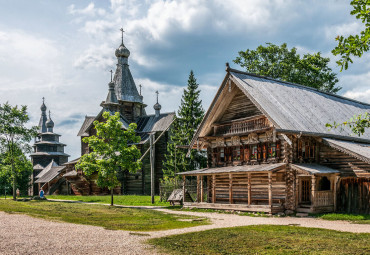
(209, 188)
(296, 190)
(336, 178)
(249, 188)
(213, 188)
(152, 164)
(231, 200)
(313, 190)
(183, 188)
(201, 189)
(270, 188)
(198, 188)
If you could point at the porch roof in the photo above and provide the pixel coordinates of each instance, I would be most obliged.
(236, 169)
(360, 151)
(315, 169)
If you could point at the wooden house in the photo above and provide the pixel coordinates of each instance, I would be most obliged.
(269, 150)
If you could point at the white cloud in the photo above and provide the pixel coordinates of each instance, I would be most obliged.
(153, 22)
(345, 29)
(363, 96)
(89, 10)
(100, 56)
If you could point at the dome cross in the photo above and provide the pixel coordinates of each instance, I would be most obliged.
(122, 31)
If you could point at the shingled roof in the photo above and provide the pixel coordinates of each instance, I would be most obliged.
(294, 108)
(87, 122)
(299, 108)
(50, 175)
(151, 123)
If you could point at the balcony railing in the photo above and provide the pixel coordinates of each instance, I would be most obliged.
(242, 126)
(324, 198)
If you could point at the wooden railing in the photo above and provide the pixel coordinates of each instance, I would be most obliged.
(242, 127)
(324, 198)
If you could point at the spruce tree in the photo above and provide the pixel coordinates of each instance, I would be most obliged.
(188, 118)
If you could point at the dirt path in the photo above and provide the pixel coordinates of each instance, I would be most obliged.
(22, 234)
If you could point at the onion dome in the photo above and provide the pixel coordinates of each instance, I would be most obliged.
(157, 107)
(43, 106)
(122, 52)
(49, 124)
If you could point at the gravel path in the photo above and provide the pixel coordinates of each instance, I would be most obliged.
(22, 234)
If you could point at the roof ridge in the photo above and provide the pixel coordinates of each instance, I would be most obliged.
(296, 84)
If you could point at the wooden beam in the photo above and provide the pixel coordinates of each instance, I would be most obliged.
(201, 189)
(270, 187)
(336, 179)
(297, 191)
(213, 188)
(198, 188)
(152, 165)
(209, 189)
(249, 188)
(183, 188)
(313, 190)
(231, 201)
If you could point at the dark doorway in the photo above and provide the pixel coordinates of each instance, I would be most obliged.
(305, 191)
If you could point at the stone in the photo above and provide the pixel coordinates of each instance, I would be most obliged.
(289, 212)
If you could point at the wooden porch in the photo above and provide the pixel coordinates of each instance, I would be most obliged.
(316, 188)
(259, 188)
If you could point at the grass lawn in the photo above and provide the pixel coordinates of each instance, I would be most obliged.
(114, 218)
(265, 239)
(355, 218)
(118, 199)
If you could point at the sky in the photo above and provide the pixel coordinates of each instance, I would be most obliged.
(63, 50)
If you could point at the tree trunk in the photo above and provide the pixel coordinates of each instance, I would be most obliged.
(14, 182)
(111, 197)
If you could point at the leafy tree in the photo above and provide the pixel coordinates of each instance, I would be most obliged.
(113, 148)
(358, 124)
(14, 138)
(23, 171)
(285, 64)
(188, 118)
(354, 45)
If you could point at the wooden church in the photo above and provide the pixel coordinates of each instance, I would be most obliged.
(124, 97)
(269, 150)
(47, 157)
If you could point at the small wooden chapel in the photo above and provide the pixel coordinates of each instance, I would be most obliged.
(270, 151)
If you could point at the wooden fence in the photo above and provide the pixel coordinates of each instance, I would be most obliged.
(354, 196)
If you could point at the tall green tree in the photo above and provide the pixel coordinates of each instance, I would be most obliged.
(354, 45)
(14, 137)
(23, 171)
(113, 149)
(188, 118)
(285, 64)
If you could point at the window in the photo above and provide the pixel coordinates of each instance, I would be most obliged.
(222, 155)
(236, 153)
(306, 150)
(254, 152)
(272, 150)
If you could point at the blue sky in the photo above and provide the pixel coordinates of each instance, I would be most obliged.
(63, 50)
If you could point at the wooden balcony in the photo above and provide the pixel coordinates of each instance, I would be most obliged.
(240, 127)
